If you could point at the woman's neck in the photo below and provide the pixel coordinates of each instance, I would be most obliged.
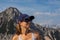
(24, 30)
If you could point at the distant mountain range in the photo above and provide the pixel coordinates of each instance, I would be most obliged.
(8, 20)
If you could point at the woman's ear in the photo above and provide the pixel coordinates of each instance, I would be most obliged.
(18, 29)
(19, 22)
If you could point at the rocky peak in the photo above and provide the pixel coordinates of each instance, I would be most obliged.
(7, 18)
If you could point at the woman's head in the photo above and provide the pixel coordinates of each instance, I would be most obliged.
(25, 20)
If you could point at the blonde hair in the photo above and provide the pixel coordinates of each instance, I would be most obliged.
(18, 29)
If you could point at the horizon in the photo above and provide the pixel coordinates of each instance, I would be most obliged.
(46, 12)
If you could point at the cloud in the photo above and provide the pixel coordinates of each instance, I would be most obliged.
(46, 13)
(46, 22)
(58, 25)
(41, 13)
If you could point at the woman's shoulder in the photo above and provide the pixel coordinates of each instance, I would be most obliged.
(37, 35)
(35, 32)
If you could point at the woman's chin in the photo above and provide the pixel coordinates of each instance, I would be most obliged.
(26, 27)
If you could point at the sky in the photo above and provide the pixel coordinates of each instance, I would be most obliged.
(46, 12)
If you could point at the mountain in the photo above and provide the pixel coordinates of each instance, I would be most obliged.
(8, 19)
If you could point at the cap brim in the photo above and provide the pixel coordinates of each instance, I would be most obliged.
(31, 18)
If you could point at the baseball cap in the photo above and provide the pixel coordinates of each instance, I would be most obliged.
(25, 17)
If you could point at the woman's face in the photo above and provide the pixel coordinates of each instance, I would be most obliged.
(24, 24)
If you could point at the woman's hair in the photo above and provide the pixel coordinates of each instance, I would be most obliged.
(18, 29)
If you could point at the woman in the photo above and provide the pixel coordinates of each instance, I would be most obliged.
(23, 29)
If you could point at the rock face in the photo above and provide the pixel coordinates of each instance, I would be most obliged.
(8, 21)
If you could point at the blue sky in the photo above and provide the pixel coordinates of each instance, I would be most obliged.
(45, 11)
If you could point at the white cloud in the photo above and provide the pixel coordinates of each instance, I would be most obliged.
(41, 13)
(46, 13)
(58, 25)
(46, 22)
